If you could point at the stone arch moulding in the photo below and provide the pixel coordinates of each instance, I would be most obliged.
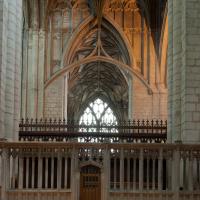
(105, 99)
(124, 68)
(163, 50)
(70, 46)
(120, 65)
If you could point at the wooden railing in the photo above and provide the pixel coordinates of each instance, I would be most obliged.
(154, 131)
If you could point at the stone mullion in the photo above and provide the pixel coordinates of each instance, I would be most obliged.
(14, 166)
(190, 173)
(141, 170)
(20, 184)
(52, 171)
(115, 172)
(33, 173)
(147, 173)
(128, 173)
(106, 174)
(169, 172)
(122, 169)
(46, 172)
(59, 170)
(66, 170)
(153, 173)
(40, 165)
(176, 171)
(160, 168)
(134, 173)
(5, 170)
(27, 172)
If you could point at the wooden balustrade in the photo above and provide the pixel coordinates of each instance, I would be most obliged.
(62, 130)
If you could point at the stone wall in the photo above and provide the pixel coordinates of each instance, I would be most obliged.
(147, 105)
(53, 106)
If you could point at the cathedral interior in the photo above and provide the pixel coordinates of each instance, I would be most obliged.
(99, 99)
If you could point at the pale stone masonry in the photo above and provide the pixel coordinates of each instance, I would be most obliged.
(10, 67)
(184, 71)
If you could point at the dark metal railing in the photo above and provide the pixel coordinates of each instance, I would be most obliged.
(59, 130)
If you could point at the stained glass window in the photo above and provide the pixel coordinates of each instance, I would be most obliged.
(98, 113)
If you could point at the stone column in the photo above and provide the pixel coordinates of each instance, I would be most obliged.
(121, 169)
(75, 187)
(141, 169)
(105, 179)
(184, 71)
(190, 72)
(20, 184)
(66, 170)
(130, 98)
(176, 173)
(40, 81)
(5, 170)
(65, 95)
(160, 169)
(10, 67)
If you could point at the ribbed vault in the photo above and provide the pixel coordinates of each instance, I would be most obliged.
(97, 79)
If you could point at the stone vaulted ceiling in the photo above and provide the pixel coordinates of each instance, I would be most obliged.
(100, 44)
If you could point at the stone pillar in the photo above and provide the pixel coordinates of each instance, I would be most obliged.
(191, 72)
(10, 67)
(20, 184)
(75, 180)
(141, 170)
(41, 61)
(5, 170)
(184, 71)
(175, 172)
(130, 98)
(121, 169)
(105, 179)
(65, 95)
(160, 169)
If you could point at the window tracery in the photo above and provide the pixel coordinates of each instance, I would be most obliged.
(99, 113)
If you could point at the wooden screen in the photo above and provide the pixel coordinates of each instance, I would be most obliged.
(90, 185)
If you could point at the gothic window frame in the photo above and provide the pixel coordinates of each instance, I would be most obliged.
(97, 109)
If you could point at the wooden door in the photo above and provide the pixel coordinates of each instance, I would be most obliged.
(90, 183)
